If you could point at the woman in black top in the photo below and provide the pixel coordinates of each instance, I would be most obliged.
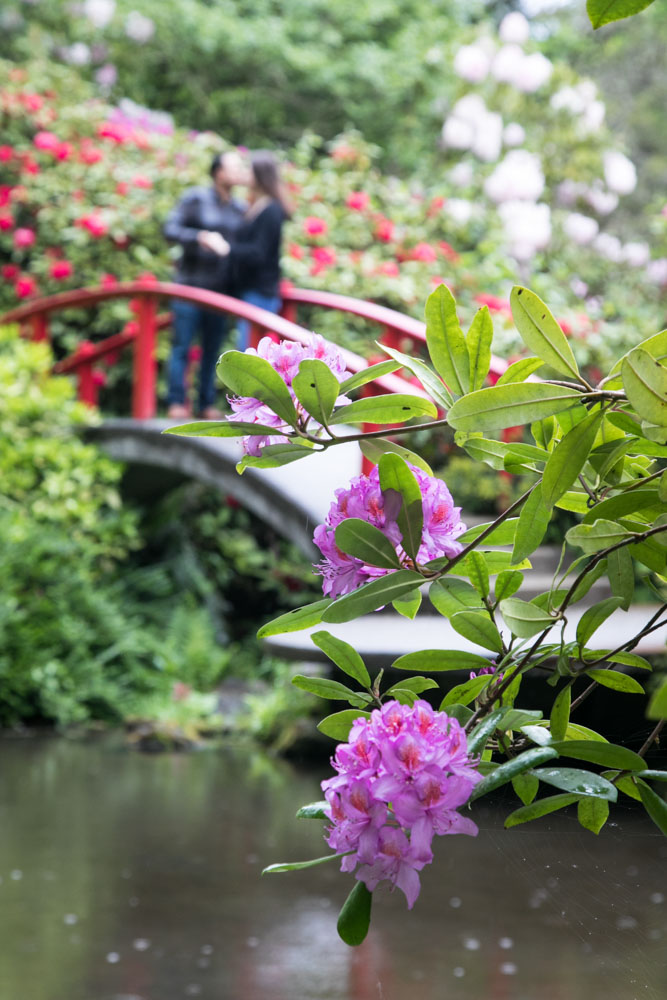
(254, 250)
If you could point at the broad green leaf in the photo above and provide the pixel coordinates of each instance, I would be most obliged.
(502, 535)
(428, 378)
(656, 346)
(592, 813)
(478, 341)
(250, 375)
(449, 595)
(560, 713)
(526, 787)
(651, 775)
(520, 370)
(540, 808)
(295, 620)
(343, 655)
(517, 765)
(524, 457)
(630, 660)
(390, 408)
(461, 714)
(655, 433)
(445, 341)
(374, 448)
(464, 693)
(541, 333)
(395, 475)
(655, 806)
(409, 604)
(496, 562)
(623, 504)
(478, 572)
(478, 628)
(295, 866)
(323, 687)
(219, 428)
(572, 779)
(606, 754)
(532, 527)
(317, 389)
(543, 431)
(621, 574)
(538, 734)
(574, 500)
(605, 11)
(372, 596)
(657, 708)
(645, 382)
(483, 730)
(313, 810)
(568, 458)
(593, 618)
(414, 684)
(577, 732)
(515, 718)
(487, 450)
(367, 375)
(662, 487)
(625, 784)
(338, 725)
(617, 682)
(355, 917)
(273, 456)
(432, 660)
(508, 582)
(524, 619)
(500, 406)
(364, 541)
(595, 537)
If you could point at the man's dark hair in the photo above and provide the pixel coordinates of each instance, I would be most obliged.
(216, 163)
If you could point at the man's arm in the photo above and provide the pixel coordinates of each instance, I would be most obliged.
(179, 227)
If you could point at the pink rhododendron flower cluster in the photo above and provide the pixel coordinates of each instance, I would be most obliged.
(364, 499)
(401, 778)
(284, 356)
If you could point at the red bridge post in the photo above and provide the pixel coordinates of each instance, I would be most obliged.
(85, 376)
(144, 362)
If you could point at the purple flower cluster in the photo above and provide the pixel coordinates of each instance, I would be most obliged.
(284, 356)
(364, 499)
(400, 780)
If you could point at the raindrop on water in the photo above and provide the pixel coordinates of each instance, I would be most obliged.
(508, 969)
(16, 875)
(141, 944)
(459, 972)
(657, 897)
(455, 902)
(113, 957)
(506, 942)
(70, 919)
(252, 942)
(471, 944)
(626, 923)
(207, 949)
(193, 990)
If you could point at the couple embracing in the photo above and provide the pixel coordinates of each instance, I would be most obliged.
(228, 247)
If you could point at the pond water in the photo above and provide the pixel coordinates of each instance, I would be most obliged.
(137, 877)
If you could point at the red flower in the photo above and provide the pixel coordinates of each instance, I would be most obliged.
(9, 271)
(5, 195)
(108, 280)
(46, 141)
(6, 154)
(94, 223)
(314, 226)
(384, 229)
(61, 269)
(25, 286)
(296, 251)
(323, 257)
(358, 201)
(122, 187)
(90, 154)
(424, 252)
(33, 102)
(113, 131)
(24, 238)
(63, 151)
(390, 268)
(29, 166)
(495, 303)
(448, 251)
(141, 181)
(6, 222)
(435, 206)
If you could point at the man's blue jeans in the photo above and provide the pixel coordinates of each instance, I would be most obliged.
(271, 303)
(188, 320)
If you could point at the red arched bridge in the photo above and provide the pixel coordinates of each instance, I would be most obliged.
(291, 504)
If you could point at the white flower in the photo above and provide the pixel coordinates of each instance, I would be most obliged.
(471, 108)
(514, 27)
(579, 287)
(608, 246)
(620, 173)
(472, 63)
(601, 201)
(462, 174)
(636, 254)
(532, 72)
(514, 134)
(99, 12)
(518, 177)
(106, 76)
(593, 116)
(472, 126)
(568, 191)
(488, 140)
(656, 270)
(568, 99)
(503, 67)
(457, 133)
(459, 210)
(527, 227)
(77, 54)
(581, 229)
(138, 27)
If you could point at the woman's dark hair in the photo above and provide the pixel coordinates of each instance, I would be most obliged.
(267, 178)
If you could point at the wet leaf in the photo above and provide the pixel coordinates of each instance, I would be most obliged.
(314, 810)
(560, 713)
(538, 809)
(605, 11)
(517, 765)
(483, 730)
(594, 617)
(323, 687)
(654, 805)
(464, 693)
(592, 813)
(572, 779)
(526, 787)
(409, 604)
(355, 917)
(606, 754)
(617, 682)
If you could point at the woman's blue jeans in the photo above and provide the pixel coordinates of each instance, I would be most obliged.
(271, 303)
(189, 320)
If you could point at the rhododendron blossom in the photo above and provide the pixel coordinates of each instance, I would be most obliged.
(358, 201)
(61, 269)
(364, 499)
(400, 780)
(314, 226)
(24, 238)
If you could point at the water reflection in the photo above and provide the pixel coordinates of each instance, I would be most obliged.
(129, 877)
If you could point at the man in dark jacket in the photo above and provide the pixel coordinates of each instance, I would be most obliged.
(202, 222)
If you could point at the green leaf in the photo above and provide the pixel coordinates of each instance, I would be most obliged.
(560, 713)
(617, 682)
(532, 527)
(520, 370)
(219, 428)
(541, 333)
(621, 574)
(355, 917)
(364, 541)
(524, 619)
(517, 765)
(657, 708)
(250, 375)
(460, 713)
(654, 805)
(430, 381)
(478, 572)
(645, 382)
(338, 725)
(445, 341)
(515, 718)
(605, 11)
(595, 537)
(502, 535)
(651, 775)
(592, 813)
(372, 596)
(317, 389)
(573, 779)
(625, 784)
(630, 660)
(295, 620)
(295, 866)
(478, 627)
(568, 458)
(449, 595)
(623, 504)
(483, 730)
(273, 456)
(526, 787)
(314, 810)
(374, 448)
(606, 754)
(478, 341)
(540, 808)
(593, 617)
(464, 693)
(390, 408)
(414, 684)
(367, 375)
(323, 687)
(343, 655)
(395, 475)
(508, 582)
(486, 450)
(436, 660)
(500, 406)
(409, 604)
